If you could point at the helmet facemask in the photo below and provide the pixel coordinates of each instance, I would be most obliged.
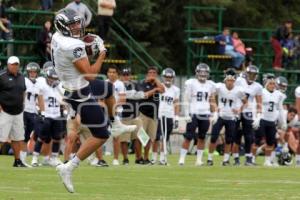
(168, 80)
(251, 77)
(202, 75)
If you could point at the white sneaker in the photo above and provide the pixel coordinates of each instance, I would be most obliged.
(115, 162)
(35, 161)
(118, 128)
(46, 162)
(66, 177)
(55, 161)
(181, 161)
(268, 163)
(199, 163)
(94, 162)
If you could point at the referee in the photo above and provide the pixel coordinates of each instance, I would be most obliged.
(12, 91)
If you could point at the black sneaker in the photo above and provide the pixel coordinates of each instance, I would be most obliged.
(18, 163)
(147, 162)
(237, 162)
(102, 163)
(249, 162)
(126, 162)
(226, 163)
(139, 161)
(210, 163)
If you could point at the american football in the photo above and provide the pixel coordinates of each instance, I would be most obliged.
(91, 46)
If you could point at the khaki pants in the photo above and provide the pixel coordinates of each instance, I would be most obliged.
(149, 125)
(126, 137)
(83, 131)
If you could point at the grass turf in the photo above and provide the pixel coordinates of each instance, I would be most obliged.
(136, 182)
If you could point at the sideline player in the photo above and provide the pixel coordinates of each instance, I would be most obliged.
(200, 102)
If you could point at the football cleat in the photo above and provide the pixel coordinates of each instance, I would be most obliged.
(18, 163)
(66, 177)
(236, 162)
(115, 162)
(199, 163)
(126, 162)
(118, 128)
(35, 161)
(181, 161)
(210, 163)
(101, 163)
(268, 163)
(54, 161)
(226, 163)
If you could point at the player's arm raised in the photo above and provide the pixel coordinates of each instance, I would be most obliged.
(90, 71)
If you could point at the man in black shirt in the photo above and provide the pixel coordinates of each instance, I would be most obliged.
(12, 91)
(149, 107)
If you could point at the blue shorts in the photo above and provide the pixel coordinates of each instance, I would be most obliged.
(51, 129)
(198, 121)
(29, 123)
(91, 113)
(169, 123)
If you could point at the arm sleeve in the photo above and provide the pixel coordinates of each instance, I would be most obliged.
(76, 52)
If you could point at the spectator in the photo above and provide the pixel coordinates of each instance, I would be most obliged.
(82, 10)
(46, 4)
(105, 13)
(43, 43)
(280, 34)
(12, 91)
(288, 51)
(226, 47)
(238, 45)
(6, 32)
(149, 107)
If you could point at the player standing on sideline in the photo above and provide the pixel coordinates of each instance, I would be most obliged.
(73, 68)
(272, 110)
(229, 97)
(30, 104)
(49, 119)
(200, 102)
(253, 91)
(168, 113)
(119, 93)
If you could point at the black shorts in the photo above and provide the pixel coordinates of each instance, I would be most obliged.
(268, 130)
(198, 121)
(91, 113)
(169, 123)
(29, 124)
(51, 129)
(230, 128)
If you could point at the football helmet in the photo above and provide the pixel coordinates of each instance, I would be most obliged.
(168, 75)
(267, 78)
(32, 66)
(202, 72)
(69, 23)
(251, 73)
(51, 77)
(281, 84)
(285, 159)
(230, 74)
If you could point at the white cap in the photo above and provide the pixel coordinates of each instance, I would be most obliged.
(13, 60)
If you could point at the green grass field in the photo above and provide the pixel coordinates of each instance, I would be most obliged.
(151, 182)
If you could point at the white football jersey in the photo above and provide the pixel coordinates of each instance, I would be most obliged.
(166, 101)
(272, 103)
(51, 98)
(198, 94)
(251, 91)
(297, 92)
(32, 92)
(65, 51)
(228, 100)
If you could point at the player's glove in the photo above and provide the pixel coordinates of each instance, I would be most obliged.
(176, 122)
(99, 43)
(214, 118)
(41, 117)
(256, 121)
